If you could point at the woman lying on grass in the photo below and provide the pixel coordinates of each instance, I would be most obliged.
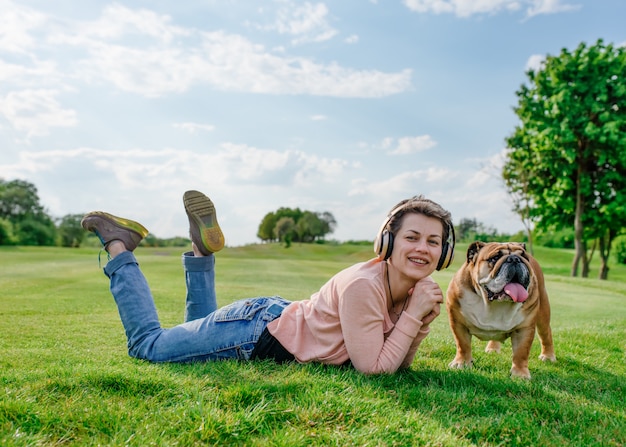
(372, 315)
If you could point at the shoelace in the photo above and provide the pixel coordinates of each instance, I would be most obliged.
(100, 253)
(104, 244)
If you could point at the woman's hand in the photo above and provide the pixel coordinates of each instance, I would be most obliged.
(425, 301)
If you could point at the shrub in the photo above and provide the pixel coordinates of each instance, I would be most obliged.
(619, 248)
(6, 233)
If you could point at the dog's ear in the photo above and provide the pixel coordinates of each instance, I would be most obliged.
(473, 250)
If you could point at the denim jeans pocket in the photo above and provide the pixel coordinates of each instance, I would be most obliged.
(275, 307)
(244, 309)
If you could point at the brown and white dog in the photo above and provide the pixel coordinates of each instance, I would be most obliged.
(499, 292)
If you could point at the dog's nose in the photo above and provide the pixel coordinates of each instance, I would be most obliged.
(513, 259)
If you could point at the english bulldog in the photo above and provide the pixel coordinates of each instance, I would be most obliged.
(499, 292)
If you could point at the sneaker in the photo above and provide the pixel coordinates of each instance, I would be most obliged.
(109, 228)
(203, 227)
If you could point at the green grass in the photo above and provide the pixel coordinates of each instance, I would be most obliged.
(65, 377)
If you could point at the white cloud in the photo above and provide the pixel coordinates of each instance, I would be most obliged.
(155, 65)
(403, 183)
(307, 21)
(227, 164)
(34, 74)
(535, 62)
(194, 127)
(16, 24)
(145, 53)
(34, 112)
(271, 167)
(232, 63)
(244, 181)
(538, 7)
(410, 145)
(118, 21)
(466, 8)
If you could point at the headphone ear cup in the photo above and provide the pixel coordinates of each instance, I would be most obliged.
(447, 250)
(447, 256)
(384, 245)
(389, 245)
(443, 259)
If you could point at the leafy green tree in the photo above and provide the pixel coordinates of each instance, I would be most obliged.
(19, 200)
(293, 213)
(36, 232)
(469, 230)
(328, 223)
(308, 225)
(71, 233)
(6, 233)
(285, 230)
(266, 228)
(568, 155)
(312, 226)
(19, 204)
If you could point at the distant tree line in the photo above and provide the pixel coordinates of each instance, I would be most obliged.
(294, 225)
(24, 221)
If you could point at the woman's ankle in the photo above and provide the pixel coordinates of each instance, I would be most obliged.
(115, 247)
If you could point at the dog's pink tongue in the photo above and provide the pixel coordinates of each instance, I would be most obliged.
(516, 291)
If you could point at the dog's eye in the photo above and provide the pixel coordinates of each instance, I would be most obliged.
(494, 259)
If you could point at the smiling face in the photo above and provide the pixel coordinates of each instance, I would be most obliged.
(417, 246)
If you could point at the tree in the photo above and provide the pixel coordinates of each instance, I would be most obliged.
(70, 231)
(36, 232)
(470, 230)
(19, 204)
(328, 223)
(308, 225)
(266, 228)
(19, 200)
(285, 229)
(6, 233)
(572, 144)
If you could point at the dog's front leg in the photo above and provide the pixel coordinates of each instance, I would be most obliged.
(463, 339)
(521, 341)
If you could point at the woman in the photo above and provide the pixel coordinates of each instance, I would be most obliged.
(373, 314)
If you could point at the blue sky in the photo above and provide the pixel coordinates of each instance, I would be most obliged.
(338, 106)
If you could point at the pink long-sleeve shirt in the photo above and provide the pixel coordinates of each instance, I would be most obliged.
(348, 319)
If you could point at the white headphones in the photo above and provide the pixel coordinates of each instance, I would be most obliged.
(383, 245)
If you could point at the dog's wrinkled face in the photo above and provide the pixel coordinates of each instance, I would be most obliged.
(500, 270)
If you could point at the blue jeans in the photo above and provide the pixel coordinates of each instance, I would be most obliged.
(208, 333)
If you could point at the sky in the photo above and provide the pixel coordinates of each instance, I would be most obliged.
(340, 106)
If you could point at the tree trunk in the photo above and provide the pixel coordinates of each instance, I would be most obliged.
(605, 242)
(579, 230)
(529, 233)
(604, 270)
(586, 262)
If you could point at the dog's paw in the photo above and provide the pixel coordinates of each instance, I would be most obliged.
(544, 357)
(520, 373)
(461, 364)
(493, 346)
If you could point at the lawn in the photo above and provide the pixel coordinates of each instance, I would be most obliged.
(65, 377)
